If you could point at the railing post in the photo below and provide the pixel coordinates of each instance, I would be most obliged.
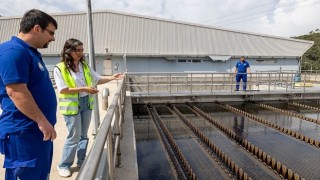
(148, 85)
(122, 96)
(224, 76)
(269, 83)
(232, 77)
(211, 83)
(167, 82)
(293, 81)
(117, 117)
(110, 155)
(187, 84)
(250, 80)
(118, 163)
(170, 84)
(205, 82)
(304, 82)
(258, 81)
(275, 81)
(287, 82)
(118, 133)
(191, 84)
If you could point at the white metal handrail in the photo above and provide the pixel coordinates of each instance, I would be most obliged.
(146, 82)
(109, 134)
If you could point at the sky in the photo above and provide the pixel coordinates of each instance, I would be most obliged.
(286, 18)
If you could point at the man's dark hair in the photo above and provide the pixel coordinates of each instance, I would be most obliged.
(36, 17)
(242, 57)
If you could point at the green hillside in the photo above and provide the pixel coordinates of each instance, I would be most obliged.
(312, 57)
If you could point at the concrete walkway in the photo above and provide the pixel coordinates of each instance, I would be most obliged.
(62, 134)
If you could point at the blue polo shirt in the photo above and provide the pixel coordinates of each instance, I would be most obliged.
(21, 63)
(242, 67)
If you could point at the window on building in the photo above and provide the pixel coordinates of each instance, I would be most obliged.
(189, 60)
(182, 60)
(266, 61)
(196, 60)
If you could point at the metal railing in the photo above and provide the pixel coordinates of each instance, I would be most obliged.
(311, 71)
(175, 83)
(108, 136)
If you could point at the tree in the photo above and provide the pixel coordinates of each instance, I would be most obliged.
(312, 56)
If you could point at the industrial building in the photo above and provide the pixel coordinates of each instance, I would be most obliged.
(182, 119)
(160, 45)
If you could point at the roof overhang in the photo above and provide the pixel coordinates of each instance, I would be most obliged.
(219, 58)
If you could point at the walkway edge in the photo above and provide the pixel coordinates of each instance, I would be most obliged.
(129, 169)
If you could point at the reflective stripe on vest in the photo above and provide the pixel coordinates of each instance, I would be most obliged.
(69, 103)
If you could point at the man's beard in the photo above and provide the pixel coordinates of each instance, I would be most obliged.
(45, 45)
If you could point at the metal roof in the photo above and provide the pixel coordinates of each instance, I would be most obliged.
(124, 33)
(220, 58)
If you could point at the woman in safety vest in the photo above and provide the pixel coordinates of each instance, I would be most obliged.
(75, 80)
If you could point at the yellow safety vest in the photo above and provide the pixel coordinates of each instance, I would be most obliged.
(69, 103)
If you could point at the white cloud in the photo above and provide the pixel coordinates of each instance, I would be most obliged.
(276, 17)
(19, 7)
(300, 19)
(149, 8)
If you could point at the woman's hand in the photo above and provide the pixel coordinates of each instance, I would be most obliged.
(103, 80)
(91, 90)
(117, 76)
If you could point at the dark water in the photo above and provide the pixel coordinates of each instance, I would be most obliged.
(240, 156)
(203, 165)
(301, 110)
(307, 128)
(152, 160)
(297, 155)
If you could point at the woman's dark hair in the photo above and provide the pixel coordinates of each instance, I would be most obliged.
(36, 17)
(69, 46)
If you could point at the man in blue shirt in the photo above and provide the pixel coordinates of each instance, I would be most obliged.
(28, 100)
(241, 69)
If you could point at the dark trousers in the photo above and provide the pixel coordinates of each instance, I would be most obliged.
(244, 79)
(27, 156)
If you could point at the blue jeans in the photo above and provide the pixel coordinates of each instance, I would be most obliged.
(244, 79)
(77, 139)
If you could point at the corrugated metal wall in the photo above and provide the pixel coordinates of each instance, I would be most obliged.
(140, 35)
(153, 39)
(150, 64)
(136, 35)
(163, 65)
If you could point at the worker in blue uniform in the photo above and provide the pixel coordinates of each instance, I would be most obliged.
(28, 100)
(241, 69)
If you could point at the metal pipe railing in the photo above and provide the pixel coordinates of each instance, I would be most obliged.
(180, 82)
(104, 137)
